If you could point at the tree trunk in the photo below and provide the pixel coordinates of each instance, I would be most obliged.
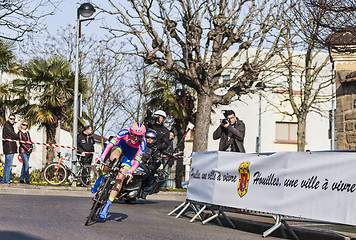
(301, 133)
(202, 122)
(51, 139)
(180, 127)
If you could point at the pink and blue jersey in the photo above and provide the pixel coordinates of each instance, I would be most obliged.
(132, 151)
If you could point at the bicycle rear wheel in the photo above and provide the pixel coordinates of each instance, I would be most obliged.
(99, 200)
(55, 174)
(88, 175)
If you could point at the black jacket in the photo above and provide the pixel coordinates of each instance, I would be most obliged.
(169, 150)
(162, 140)
(152, 157)
(85, 143)
(8, 132)
(238, 135)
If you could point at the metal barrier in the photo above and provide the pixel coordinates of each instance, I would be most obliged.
(216, 211)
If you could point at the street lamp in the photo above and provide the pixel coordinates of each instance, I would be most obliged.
(260, 86)
(85, 10)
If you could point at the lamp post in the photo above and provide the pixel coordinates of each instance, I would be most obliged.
(86, 10)
(260, 86)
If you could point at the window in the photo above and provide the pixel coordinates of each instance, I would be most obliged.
(226, 78)
(286, 132)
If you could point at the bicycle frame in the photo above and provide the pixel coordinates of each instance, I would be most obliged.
(104, 190)
(75, 174)
(69, 171)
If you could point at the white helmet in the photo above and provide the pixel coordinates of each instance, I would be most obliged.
(160, 113)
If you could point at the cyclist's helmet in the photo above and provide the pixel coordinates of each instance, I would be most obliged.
(151, 134)
(138, 129)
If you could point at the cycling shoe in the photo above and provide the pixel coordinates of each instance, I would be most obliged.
(105, 210)
(97, 183)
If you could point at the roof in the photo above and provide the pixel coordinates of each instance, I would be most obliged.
(97, 138)
(351, 77)
(342, 37)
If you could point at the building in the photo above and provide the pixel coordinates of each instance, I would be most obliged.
(342, 49)
(278, 132)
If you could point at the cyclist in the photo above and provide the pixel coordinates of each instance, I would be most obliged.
(130, 142)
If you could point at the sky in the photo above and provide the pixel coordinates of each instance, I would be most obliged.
(67, 13)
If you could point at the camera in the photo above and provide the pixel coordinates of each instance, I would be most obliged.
(226, 121)
(150, 119)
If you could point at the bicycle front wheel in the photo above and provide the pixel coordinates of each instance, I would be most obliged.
(88, 175)
(99, 200)
(55, 174)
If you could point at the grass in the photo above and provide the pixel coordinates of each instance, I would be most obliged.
(177, 189)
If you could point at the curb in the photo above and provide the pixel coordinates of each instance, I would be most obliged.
(29, 189)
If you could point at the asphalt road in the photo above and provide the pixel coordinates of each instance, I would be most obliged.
(40, 217)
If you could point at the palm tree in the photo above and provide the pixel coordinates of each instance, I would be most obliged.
(7, 64)
(45, 95)
(4, 102)
(177, 101)
(7, 57)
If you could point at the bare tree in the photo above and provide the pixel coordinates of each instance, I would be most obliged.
(18, 17)
(334, 16)
(191, 39)
(63, 44)
(304, 75)
(107, 94)
(104, 70)
(139, 86)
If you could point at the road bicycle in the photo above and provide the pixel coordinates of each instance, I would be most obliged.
(103, 193)
(58, 173)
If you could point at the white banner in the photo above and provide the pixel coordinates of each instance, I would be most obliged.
(316, 185)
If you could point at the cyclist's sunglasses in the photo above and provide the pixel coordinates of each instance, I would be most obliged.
(132, 134)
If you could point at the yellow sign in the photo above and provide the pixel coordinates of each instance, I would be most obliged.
(244, 177)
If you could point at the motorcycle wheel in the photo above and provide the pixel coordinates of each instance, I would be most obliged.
(130, 201)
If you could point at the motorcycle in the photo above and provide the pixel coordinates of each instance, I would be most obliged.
(133, 190)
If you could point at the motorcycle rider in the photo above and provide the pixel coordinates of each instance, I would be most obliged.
(152, 159)
(132, 143)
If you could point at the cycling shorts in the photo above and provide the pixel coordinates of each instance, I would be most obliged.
(127, 151)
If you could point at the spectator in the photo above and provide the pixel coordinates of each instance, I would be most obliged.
(231, 133)
(25, 150)
(9, 147)
(85, 144)
(168, 165)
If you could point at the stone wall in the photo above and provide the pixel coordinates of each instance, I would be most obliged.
(345, 101)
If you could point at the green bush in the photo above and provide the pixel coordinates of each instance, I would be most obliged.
(15, 177)
(36, 175)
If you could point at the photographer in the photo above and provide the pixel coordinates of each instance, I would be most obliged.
(155, 122)
(231, 132)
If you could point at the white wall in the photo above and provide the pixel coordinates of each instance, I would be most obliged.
(39, 153)
(247, 111)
